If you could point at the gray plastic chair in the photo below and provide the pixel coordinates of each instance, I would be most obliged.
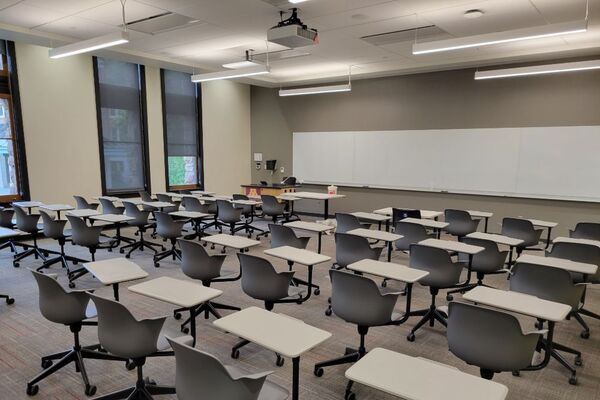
(145, 196)
(460, 222)
(586, 230)
(109, 208)
(85, 236)
(169, 229)
(357, 299)
(246, 209)
(83, 204)
(489, 339)
(347, 222)
(443, 273)
(231, 217)
(282, 235)
(411, 234)
(200, 374)
(487, 262)
(141, 223)
(274, 209)
(28, 223)
(6, 216)
(522, 229)
(398, 214)
(55, 229)
(352, 248)
(70, 308)
(193, 204)
(166, 198)
(121, 334)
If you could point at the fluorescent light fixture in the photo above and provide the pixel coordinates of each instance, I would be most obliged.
(315, 90)
(237, 73)
(486, 39)
(241, 64)
(85, 46)
(538, 70)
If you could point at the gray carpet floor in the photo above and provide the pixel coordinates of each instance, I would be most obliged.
(25, 336)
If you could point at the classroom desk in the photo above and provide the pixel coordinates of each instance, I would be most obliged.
(548, 225)
(116, 219)
(84, 213)
(160, 205)
(300, 256)
(486, 215)
(57, 208)
(320, 196)
(114, 271)
(437, 226)
(203, 192)
(311, 227)
(416, 378)
(500, 239)
(185, 294)
(384, 236)
(235, 242)
(29, 205)
(576, 240)
(524, 304)
(196, 218)
(372, 217)
(425, 214)
(284, 335)
(256, 189)
(562, 263)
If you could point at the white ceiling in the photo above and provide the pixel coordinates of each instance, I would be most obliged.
(225, 28)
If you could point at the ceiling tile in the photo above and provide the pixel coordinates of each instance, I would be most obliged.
(66, 6)
(7, 3)
(110, 13)
(77, 27)
(27, 16)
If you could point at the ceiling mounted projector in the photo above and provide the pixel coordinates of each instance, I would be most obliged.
(292, 32)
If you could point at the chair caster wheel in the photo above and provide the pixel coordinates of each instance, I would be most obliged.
(32, 390)
(411, 337)
(585, 335)
(516, 373)
(573, 380)
(110, 249)
(538, 325)
(328, 312)
(350, 396)
(449, 297)
(578, 361)
(46, 254)
(16, 265)
(384, 284)
(319, 372)
(71, 285)
(223, 251)
(156, 265)
(46, 364)
(75, 262)
(212, 247)
(204, 244)
(130, 365)
(177, 316)
(185, 329)
(235, 354)
(10, 301)
(90, 390)
(280, 361)
(317, 292)
(121, 251)
(149, 381)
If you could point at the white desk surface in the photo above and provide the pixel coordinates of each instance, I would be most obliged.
(157, 204)
(190, 214)
(112, 217)
(543, 224)
(236, 242)
(202, 192)
(209, 199)
(317, 195)
(568, 265)
(285, 335)
(575, 240)
(136, 201)
(180, 292)
(247, 202)
(397, 272)
(519, 303)
(480, 214)
(371, 216)
(375, 234)
(172, 194)
(300, 256)
(501, 239)
(28, 204)
(416, 378)
(425, 214)
(429, 223)
(82, 213)
(309, 226)
(8, 233)
(109, 198)
(115, 270)
(57, 207)
(288, 197)
(452, 246)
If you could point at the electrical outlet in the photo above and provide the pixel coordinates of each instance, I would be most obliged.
(282, 170)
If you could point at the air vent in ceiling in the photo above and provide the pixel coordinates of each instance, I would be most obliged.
(161, 23)
(406, 35)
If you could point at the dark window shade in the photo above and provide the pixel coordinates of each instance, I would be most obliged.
(122, 125)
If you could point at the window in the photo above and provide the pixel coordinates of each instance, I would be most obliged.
(120, 102)
(13, 172)
(182, 130)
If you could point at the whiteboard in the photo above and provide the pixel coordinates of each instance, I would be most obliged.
(538, 162)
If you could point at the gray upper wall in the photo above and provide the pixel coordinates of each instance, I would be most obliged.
(449, 99)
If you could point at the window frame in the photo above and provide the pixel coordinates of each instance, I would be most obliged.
(143, 132)
(199, 143)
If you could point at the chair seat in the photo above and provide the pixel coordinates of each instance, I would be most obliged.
(269, 391)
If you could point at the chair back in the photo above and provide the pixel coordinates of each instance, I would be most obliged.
(549, 283)
(227, 212)
(26, 222)
(261, 281)
(6, 216)
(53, 229)
(398, 214)
(586, 230)
(193, 204)
(82, 234)
(123, 335)
(443, 272)
(83, 204)
(197, 263)
(271, 206)
(58, 305)
(109, 208)
(491, 259)
(346, 222)
(460, 222)
(411, 234)
(352, 248)
(200, 374)
(246, 208)
(282, 235)
(167, 199)
(132, 210)
(357, 299)
(489, 339)
(166, 226)
(145, 196)
(521, 229)
(579, 252)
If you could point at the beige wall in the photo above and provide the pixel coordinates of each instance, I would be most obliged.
(451, 99)
(226, 122)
